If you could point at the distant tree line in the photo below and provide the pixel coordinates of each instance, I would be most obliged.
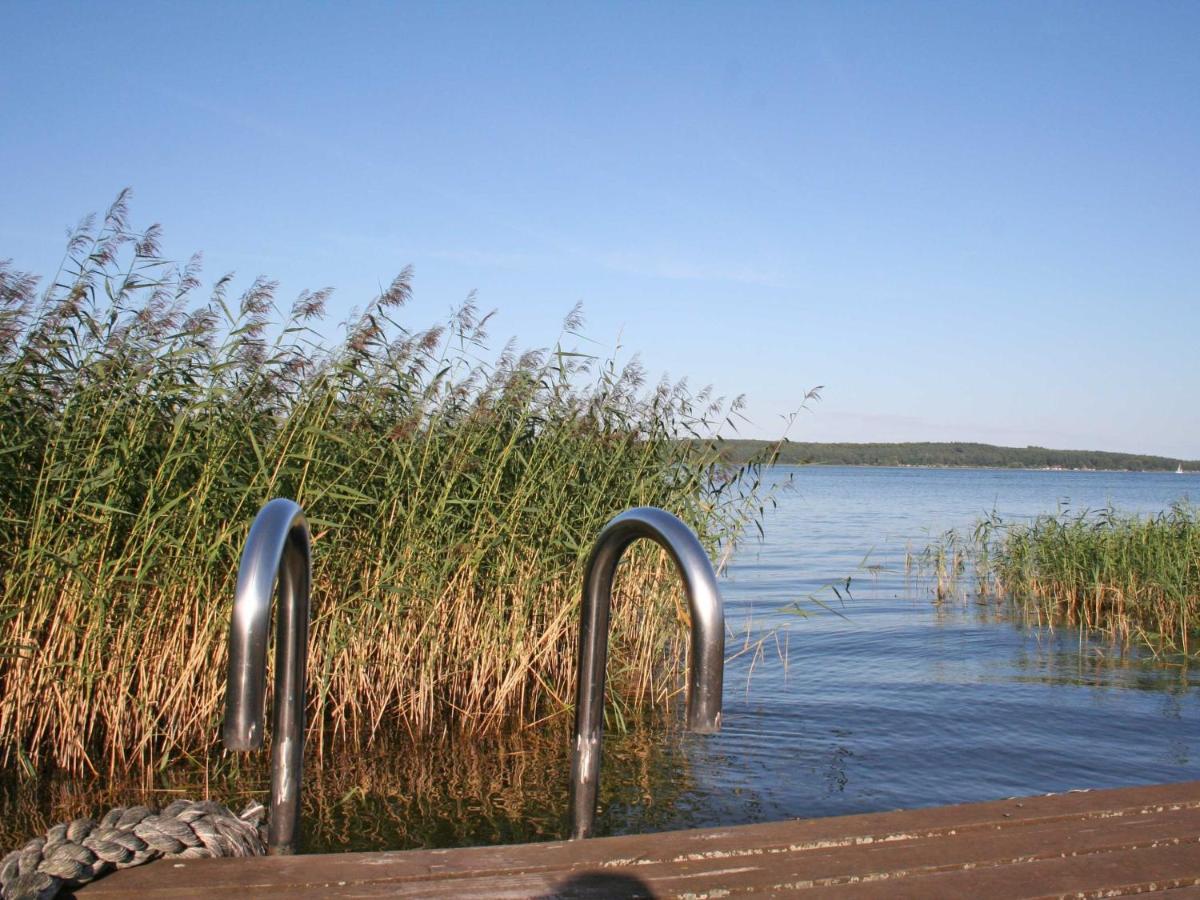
(795, 453)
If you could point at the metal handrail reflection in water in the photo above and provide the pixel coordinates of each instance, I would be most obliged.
(706, 661)
(277, 552)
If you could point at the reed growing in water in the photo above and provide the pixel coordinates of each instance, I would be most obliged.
(1123, 575)
(453, 502)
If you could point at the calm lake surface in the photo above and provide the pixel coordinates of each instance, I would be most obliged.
(898, 702)
(906, 703)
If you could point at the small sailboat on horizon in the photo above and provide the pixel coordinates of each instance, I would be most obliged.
(1179, 471)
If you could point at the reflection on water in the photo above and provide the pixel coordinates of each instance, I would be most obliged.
(400, 794)
(897, 702)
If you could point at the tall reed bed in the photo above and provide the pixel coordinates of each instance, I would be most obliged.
(453, 503)
(1127, 576)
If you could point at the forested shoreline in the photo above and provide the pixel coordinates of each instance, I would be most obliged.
(946, 455)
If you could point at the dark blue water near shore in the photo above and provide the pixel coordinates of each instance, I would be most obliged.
(904, 702)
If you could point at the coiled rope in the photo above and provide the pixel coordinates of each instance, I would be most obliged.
(74, 853)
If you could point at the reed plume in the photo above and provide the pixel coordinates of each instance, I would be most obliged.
(453, 503)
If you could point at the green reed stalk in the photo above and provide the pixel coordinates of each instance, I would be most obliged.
(1127, 576)
(453, 503)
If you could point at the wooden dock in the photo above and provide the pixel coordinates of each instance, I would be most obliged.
(1084, 844)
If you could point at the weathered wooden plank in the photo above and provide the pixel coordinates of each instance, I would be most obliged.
(1122, 872)
(895, 863)
(925, 857)
(842, 831)
(926, 843)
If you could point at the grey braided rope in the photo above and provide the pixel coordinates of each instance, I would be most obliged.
(74, 853)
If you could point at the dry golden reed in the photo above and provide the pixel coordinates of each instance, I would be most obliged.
(453, 503)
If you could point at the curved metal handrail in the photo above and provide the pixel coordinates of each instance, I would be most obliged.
(278, 550)
(707, 659)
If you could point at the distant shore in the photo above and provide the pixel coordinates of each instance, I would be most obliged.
(949, 455)
(847, 465)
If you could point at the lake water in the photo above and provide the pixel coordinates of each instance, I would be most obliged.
(896, 703)
(906, 703)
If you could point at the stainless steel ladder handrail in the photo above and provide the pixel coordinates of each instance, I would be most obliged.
(277, 552)
(707, 658)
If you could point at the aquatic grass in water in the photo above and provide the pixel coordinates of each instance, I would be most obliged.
(452, 501)
(1126, 576)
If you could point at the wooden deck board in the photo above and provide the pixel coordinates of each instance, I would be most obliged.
(1108, 843)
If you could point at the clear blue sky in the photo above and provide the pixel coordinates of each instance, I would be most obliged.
(967, 221)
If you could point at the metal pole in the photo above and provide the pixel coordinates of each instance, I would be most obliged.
(707, 660)
(277, 552)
